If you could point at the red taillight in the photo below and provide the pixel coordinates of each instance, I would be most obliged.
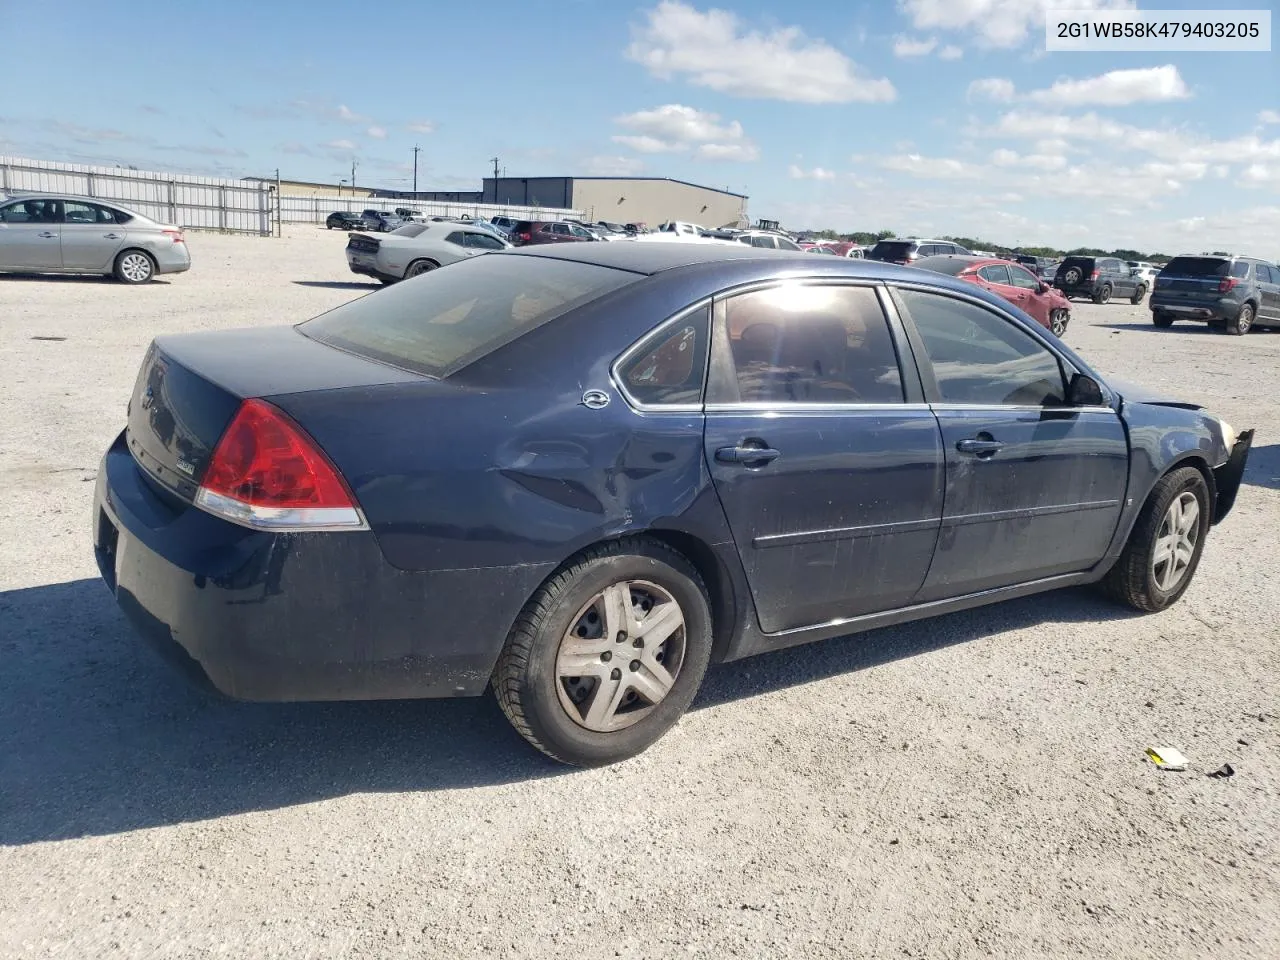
(174, 235)
(1094, 275)
(268, 474)
(1227, 284)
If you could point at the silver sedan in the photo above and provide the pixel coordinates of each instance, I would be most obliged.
(83, 235)
(416, 248)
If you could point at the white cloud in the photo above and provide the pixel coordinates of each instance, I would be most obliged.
(950, 52)
(421, 126)
(817, 173)
(1117, 88)
(675, 128)
(1261, 173)
(714, 50)
(1034, 161)
(346, 115)
(931, 168)
(612, 166)
(378, 133)
(913, 47)
(1269, 116)
(995, 23)
(340, 145)
(992, 88)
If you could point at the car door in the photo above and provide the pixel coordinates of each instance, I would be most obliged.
(30, 231)
(1030, 299)
(91, 237)
(1034, 487)
(1268, 291)
(830, 479)
(1117, 274)
(995, 277)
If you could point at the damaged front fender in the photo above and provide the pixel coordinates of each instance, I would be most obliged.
(1227, 477)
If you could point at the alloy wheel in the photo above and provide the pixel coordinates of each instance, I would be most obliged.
(620, 656)
(1176, 540)
(136, 267)
(1058, 322)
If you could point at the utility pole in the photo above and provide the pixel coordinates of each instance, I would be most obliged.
(416, 148)
(279, 204)
(353, 177)
(494, 161)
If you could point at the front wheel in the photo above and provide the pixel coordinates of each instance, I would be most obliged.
(134, 266)
(1058, 320)
(607, 655)
(1103, 294)
(1243, 321)
(1139, 293)
(1164, 547)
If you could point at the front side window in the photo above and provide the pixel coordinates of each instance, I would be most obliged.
(804, 343)
(979, 357)
(671, 366)
(785, 244)
(995, 273)
(1019, 277)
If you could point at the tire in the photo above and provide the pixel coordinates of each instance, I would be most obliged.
(561, 713)
(1139, 294)
(418, 268)
(1243, 321)
(1135, 579)
(1058, 320)
(1161, 319)
(1103, 294)
(134, 267)
(1072, 277)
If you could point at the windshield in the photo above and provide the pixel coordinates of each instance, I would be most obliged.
(952, 266)
(1198, 267)
(438, 323)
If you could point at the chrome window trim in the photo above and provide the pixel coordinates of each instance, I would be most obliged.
(629, 353)
(783, 408)
(1017, 408)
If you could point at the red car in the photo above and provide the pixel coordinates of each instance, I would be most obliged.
(1012, 281)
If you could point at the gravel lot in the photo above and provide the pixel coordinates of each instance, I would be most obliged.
(963, 787)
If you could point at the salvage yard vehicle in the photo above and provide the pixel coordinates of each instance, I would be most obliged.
(1098, 279)
(344, 220)
(1009, 280)
(417, 248)
(1233, 294)
(65, 234)
(578, 474)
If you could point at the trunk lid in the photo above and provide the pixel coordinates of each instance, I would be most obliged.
(190, 386)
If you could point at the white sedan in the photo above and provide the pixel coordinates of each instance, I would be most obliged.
(416, 248)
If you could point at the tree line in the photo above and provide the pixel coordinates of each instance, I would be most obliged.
(867, 238)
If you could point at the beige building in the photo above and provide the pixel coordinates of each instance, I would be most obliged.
(648, 200)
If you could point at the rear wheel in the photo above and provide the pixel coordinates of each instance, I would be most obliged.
(607, 655)
(419, 267)
(1139, 293)
(134, 266)
(1243, 321)
(1161, 319)
(1103, 294)
(1164, 548)
(1058, 320)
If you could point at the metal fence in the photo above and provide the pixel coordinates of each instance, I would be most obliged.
(315, 209)
(202, 203)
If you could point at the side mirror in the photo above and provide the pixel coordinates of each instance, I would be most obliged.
(1042, 287)
(1084, 391)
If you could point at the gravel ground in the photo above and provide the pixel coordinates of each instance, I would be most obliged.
(969, 786)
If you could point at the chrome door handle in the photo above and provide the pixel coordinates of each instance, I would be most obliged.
(749, 456)
(111, 236)
(47, 235)
(983, 448)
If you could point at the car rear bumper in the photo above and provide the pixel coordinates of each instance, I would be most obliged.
(1185, 309)
(279, 617)
(176, 258)
(364, 265)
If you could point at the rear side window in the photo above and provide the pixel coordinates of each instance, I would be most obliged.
(891, 250)
(449, 318)
(979, 357)
(804, 343)
(1240, 269)
(995, 273)
(670, 366)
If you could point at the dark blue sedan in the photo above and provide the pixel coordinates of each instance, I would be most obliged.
(578, 474)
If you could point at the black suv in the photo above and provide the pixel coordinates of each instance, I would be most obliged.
(1231, 293)
(912, 249)
(342, 220)
(1099, 279)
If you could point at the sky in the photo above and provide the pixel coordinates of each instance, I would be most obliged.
(926, 117)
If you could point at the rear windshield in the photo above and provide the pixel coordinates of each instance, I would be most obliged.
(891, 250)
(948, 265)
(1198, 267)
(438, 323)
(410, 230)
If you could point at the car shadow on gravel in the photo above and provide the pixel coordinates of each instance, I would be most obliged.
(1263, 468)
(98, 736)
(92, 278)
(339, 284)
